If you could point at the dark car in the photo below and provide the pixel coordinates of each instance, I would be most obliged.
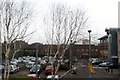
(114, 66)
(74, 70)
(34, 69)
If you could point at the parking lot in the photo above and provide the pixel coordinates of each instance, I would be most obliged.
(82, 72)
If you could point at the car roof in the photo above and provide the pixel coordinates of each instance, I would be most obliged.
(51, 76)
(56, 76)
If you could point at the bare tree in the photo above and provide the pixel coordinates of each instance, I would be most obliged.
(15, 20)
(66, 27)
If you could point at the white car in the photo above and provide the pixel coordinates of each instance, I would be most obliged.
(14, 62)
(1, 67)
(43, 62)
(52, 77)
(13, 68)
(105, 64)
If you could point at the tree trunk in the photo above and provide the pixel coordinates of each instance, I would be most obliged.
(7, 69)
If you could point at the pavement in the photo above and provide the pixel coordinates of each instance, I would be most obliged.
(100, 72)
(82, 72)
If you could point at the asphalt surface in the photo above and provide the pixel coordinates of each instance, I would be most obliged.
(82, 72)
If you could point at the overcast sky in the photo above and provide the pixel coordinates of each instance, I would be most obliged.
(102, 14)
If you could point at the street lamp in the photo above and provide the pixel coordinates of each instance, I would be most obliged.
(107, 31)
(89, 31)
(0, 49)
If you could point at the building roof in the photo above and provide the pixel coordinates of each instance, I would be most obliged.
(85, 46)
(103, 37)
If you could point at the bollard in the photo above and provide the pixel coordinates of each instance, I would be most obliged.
(93, 70)
(111, 70)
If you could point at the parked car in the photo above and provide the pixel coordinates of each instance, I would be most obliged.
(30, 64)
(93, 59)
(43, 62)
(14, 62)
(97, 62)
(34, 69)
(26, 60)
(114, 66)
(1, 68)
(49, 70)
(33, 59)
(52, 77)
(20, 59)
(105, 64)
(13, 69)
(74, 70)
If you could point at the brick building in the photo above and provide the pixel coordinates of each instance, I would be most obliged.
(82, 51)
(78, 50)
(103, 47)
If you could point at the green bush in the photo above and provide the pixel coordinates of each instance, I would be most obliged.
(20, 77)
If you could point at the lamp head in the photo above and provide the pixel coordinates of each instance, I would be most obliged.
(89, 31)
(107, 31)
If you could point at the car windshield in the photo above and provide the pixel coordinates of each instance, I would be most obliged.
(48, 68)
(34, 68)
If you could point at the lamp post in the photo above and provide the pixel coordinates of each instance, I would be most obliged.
(89, 31)
(0, 43)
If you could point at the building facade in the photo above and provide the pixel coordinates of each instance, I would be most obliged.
(103, 47)
(77, 50)
(109, 45)
(82, 51)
